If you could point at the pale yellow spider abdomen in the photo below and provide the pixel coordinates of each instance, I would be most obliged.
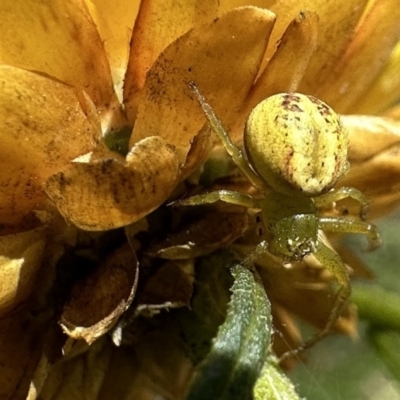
(296, 142)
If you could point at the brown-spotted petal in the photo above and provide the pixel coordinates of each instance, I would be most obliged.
(58, 38)
(108, 193)
(221, 57)
(43, 126)
(100, 299)
(158, 24)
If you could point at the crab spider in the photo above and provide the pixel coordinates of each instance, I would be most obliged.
(296, 146)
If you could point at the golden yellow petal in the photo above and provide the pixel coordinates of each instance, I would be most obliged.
(20, 258)
(114, 21)
(336, 22)
(375, 162)
(393, 112)
(346, 75)
(43, 127)
(58, 38)
(101, 298)
(107, 194)
(369, 136)
(222, 58)
(158, 24)
(384, 91)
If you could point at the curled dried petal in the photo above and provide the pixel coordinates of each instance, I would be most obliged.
(107, 194)
(99, 300)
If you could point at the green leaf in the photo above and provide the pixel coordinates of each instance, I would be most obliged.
(199, 325)
(273, 384)
(378, 306)
(118, 141)
(240, 348)
(387, 345)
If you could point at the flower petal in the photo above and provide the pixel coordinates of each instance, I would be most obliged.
(101, 298)
(336, 22)
(370, 135)
(43, 127)
(222, 58)
(20, 258)
(286, 69)
(375, 162)
(107, 194)
(158, 24)
(58, 38)
(384, 91)
(114, 21)
(214, 230)
(170, 286)
(346, 74)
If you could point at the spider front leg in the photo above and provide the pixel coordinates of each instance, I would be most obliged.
(331, 261)
(343, 193)
(230, 147)
(346, 225)
(227, 196)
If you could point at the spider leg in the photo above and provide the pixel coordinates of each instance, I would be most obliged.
(231, 148)
(347, 225)
(228, 196)
(252, 257)
(343, 193)
(330, 260)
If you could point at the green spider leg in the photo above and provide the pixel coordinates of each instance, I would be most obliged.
(346, 225)
(332, 196)
(237, 156)
(333, 263)
(227, 196)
